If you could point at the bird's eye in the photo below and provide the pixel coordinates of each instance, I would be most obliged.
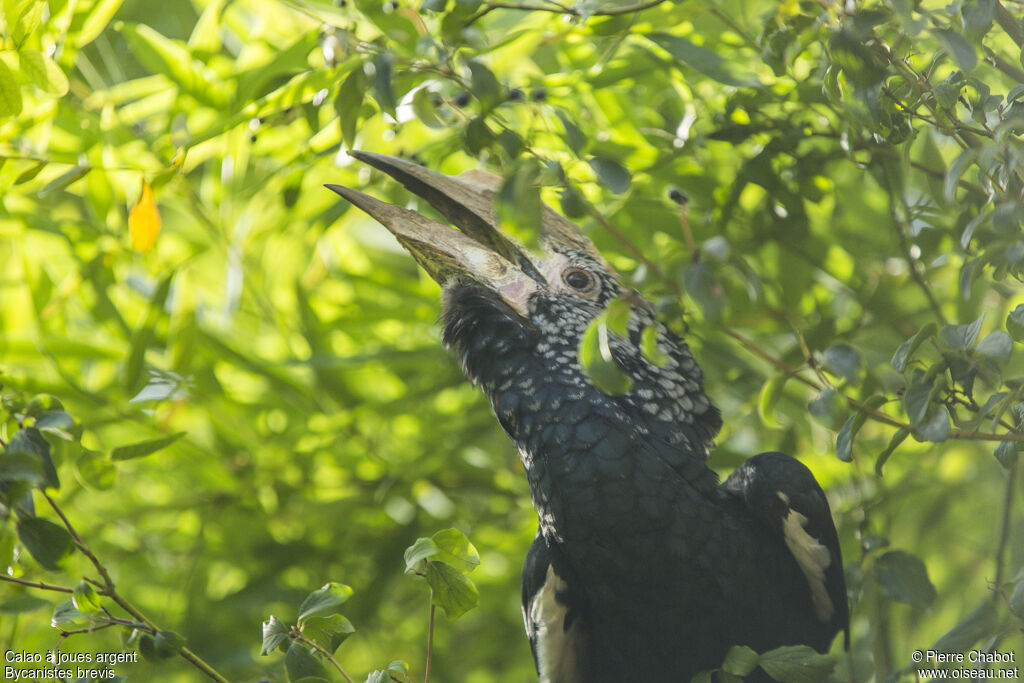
(579, 279)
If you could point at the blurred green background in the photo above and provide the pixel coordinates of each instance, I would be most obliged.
(853, 176)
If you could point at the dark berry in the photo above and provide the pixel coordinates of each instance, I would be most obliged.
(678, 197)
(252, 138)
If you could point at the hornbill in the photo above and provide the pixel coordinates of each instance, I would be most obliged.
(644, 567)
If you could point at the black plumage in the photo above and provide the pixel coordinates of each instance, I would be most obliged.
(644, 566)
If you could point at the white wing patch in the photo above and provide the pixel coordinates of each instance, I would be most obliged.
(812, 557)
(557, 649)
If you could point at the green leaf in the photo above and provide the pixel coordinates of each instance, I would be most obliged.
(64, 180)
(347, 104)
(30, 443)
(956, 170)
(67, 616)
(978, 16)
(612, 174)
(771, 392)
(43, 73)
(997, 345)
(29, 174)
(451, 590)
(1015, 323)
(797, 664)
(22, 604)
(843, 360)
(828, 408)
(147, 648)
(649, 346)
(173, 59)
(383, 83)
(48, 543)
(28, 21)
(478, 136)
(300, 663)
(573, 205)
(483, 84)
(1016, 603)
(703, 60)
(935, 426)
(322, 602)
(10, 91)
(54, 420)
(399, 671)
(423, 107)
(96, 470)
(574, 137)
(86, 599)
(599, 365)
(98, 18)
(959, 48)
(703, 677)
(167, 644)
(980, 623)
(904, 578)
(275, 635)
(894, 442)
(329, 631)
(418, 552)
(455, 549)
(1006, 454)
(740, 660)
(844, 440)
(518, 202)
(144, 448)
(18, 465)
(917, 397)
(961, 337)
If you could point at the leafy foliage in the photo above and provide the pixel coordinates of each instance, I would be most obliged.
(252, 394)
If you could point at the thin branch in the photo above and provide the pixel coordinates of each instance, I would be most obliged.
(334, 662)
(36, 584)
(915, 274)
(561, 9)
(1006, 67)
(1004, 526)
(111, 591)
(633, 249)
(1010, 24)
(430, 644)
(109, 582)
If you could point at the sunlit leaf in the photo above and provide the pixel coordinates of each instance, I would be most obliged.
(140, 449)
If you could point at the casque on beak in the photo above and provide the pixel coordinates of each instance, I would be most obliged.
(480, 251)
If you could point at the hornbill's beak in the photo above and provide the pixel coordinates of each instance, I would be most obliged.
(480, 251)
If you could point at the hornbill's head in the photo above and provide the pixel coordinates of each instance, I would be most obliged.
(515, 319)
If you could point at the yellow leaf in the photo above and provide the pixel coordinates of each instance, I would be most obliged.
(144, 221)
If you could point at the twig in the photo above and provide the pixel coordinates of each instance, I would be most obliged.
(110, 591)
(1009, 24)
(316, 646)
(36, 584)
(1004, 526)
(430, 643)
(562, 9)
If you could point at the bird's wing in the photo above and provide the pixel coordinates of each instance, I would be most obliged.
(782, 493)
(553, 615)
